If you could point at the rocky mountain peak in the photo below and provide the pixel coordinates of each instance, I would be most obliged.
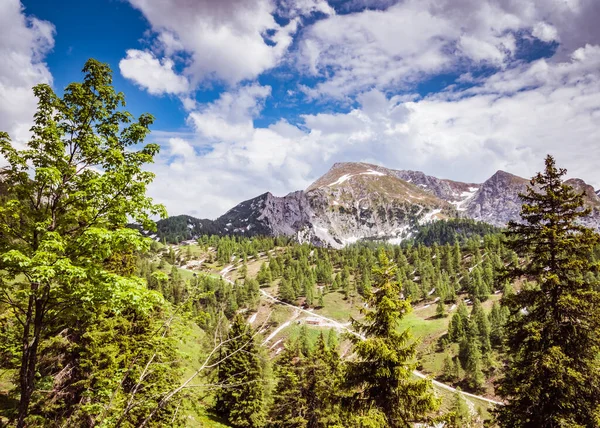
(506, 178)
(356, 200)
(591, 196)
(497, 200)
(341, 172)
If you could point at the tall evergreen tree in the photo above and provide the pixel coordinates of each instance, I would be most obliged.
(240, 398)
(553, 333)
(380, 377)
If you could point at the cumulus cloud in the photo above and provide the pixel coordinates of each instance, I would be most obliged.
(230, 118)
(158, 77)
(411, 40)
(508, 121)
(24, 42)
(372, 54)
(223, 40)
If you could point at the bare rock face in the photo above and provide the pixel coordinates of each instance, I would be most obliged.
(592, 200)
(268, 215)
(353, 201)
(448, 190)
(497, 200)
(356, 201)
(359, 201)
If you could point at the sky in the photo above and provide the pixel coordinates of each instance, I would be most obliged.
(253, 96)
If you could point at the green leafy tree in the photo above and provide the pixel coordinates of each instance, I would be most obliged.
(241, 396)
(552, 377)
(380, 377)
(73, 189)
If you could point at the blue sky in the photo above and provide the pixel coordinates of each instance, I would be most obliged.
(265, 95)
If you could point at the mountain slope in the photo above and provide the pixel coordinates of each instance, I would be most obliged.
(497, 200)
(357, 201)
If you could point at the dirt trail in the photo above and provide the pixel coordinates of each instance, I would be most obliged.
(416, 373)
(340, 326)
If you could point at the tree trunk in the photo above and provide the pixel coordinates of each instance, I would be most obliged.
(35, 315)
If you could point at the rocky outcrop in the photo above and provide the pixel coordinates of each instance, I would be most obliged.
(448, 190)
(497, 200)
(359, 201)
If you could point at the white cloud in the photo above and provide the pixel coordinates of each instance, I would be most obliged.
(230, 118)
(509, 121)
(545, 32)
(24, 42)
(224, 40)
(411, 40)
(158, 77)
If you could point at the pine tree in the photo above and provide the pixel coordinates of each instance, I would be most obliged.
(440, 309)
(289, 407)
(460, 415)
(553, 376)
(459, 323)
(286, 292)
(264, 275)
(471, 358)
(482, 323)
(307, 390)
(240, 399)
(449, 369)
(380, 377)
(321, 302)
(497, 320)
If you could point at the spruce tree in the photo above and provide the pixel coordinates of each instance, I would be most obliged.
(440, 309)
(552, 377)
(380, 377)
(240, 398)
(289, 406)
(460, 415)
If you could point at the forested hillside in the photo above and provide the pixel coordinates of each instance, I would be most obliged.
(462, 325)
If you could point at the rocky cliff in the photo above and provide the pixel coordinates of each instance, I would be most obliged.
(357, 201)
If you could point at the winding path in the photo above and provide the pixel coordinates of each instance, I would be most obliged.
(415, 372)
(340, 326)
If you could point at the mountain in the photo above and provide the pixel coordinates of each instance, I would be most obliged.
(359, 201)
(497, 200)
(355, 201)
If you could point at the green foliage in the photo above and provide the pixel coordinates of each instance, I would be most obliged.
(73, 189)
(307, 393)
(444, 232)
(460, 416)
(552, 377)
(241, 395)
(380, 375)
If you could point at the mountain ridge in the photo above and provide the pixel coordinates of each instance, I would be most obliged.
(355, 201)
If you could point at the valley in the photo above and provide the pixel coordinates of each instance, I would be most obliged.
(280, 322)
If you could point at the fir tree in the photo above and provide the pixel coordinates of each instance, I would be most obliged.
(289, 407)
(471, 358)
(440, 309)
(460, 415)
(552, 377)
(240, 399)
(379, 378)
(286, 292)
